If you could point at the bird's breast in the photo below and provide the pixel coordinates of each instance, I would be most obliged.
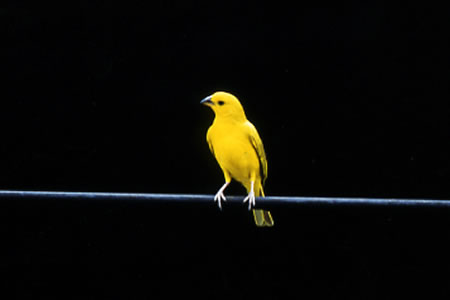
(234, 152)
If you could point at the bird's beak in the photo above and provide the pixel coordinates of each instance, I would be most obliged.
(207, 101)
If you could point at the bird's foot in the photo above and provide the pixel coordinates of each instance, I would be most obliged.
(219, 197)
(251, 200)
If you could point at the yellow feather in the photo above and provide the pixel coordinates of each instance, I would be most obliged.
(238, 148)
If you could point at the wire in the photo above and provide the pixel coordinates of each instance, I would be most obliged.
(191, 198)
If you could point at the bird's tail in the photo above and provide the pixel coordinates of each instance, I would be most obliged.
(263, 218)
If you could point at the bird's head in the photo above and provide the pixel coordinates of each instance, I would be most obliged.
(225, 105)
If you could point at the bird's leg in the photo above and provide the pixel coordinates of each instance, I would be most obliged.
(220, 196)
(251, 197)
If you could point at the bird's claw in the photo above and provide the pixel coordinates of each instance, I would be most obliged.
(219, 197)
(251, 200)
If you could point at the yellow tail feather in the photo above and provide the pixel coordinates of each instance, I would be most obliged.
(263, 218)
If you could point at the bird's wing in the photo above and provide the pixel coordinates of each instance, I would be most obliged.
(259, 148)
(208, 139)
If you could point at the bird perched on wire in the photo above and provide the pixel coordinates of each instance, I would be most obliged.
(237, 147)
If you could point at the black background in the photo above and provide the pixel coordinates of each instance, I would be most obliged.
(350, 99)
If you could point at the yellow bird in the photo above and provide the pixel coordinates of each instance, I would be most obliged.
(238, 149)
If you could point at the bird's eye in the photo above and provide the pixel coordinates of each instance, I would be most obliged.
(221, 103)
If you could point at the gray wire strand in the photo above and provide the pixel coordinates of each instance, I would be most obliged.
(192, 198)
